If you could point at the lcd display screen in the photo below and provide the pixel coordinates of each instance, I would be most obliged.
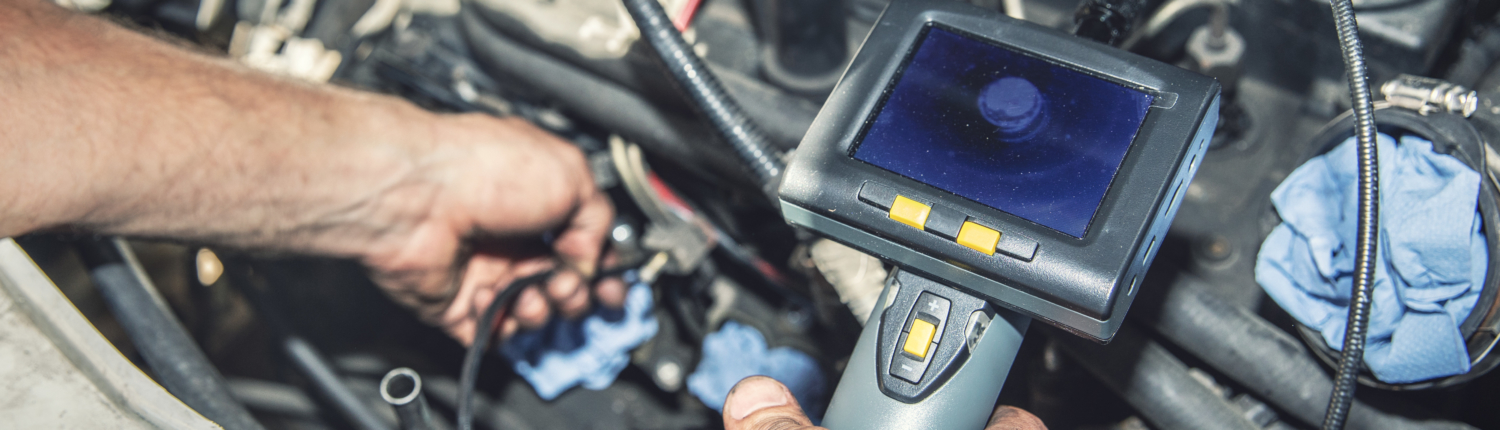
(1013, 132)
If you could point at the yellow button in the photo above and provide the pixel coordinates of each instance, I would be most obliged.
(920, 338)
(909, 212)
(978, 237)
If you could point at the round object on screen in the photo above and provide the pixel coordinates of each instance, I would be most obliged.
(1015, 106)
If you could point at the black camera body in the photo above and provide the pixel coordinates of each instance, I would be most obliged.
(1014, 162)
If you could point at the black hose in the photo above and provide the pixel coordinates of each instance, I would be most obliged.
(174, 358)
(804, 43)
(469, 376)
(1367, 236)
(1268, 362)
(705, 91)
(302, 355)
(1154, 381)
(1110, 21)
(326, 382)
(606, 103)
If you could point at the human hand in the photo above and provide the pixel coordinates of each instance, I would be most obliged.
(761, 403)
(113, 132)
(483, 196)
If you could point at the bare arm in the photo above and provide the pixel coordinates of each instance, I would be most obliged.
(112, 131)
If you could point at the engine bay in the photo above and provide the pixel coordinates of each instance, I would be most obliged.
(1204, 347)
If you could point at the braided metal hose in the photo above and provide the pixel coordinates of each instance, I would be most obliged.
(704, 89)
(1367, 237)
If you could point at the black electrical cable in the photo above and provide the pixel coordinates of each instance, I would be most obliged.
(468, 377)
(1367, 236)
(705, 91)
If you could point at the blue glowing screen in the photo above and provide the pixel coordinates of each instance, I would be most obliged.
(1007, 130)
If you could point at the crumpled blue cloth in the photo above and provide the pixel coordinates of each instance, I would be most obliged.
(590, 351)
(1429, 271)
(738, 351)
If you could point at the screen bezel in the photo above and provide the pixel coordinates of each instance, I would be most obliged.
(910, 57)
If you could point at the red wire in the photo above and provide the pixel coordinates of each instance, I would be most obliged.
(685, 16)
(667, 195)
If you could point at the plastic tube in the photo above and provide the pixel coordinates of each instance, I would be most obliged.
(402, 389)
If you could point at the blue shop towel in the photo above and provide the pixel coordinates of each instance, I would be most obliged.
(591, 351)
(738, 351)
(1429, 271)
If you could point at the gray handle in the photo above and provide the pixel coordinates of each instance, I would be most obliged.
(964, 402)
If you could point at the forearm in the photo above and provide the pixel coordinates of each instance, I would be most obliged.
(105, 130)
(108, 130)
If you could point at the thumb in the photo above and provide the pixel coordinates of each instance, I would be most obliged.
(761, 403)
(1013, 418)
(580, 243)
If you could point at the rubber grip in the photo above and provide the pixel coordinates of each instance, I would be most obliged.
(964, 402)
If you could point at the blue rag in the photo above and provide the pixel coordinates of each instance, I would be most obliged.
(590, 352)
(738, 351)
(1429, 269)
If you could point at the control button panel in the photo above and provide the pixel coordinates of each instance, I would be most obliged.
(930, 307)
(978, 237)
(925, 324)
(919, 338)
(878, 195)
(910, 212)
(946, 222)
(924, 335)
(908, 369)
(924, 328)
(1017, 246)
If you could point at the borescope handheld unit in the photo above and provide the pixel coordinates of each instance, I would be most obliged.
(1010, 172)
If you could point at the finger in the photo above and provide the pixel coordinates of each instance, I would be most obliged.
(562, 290)
(574, 306)
(509, 327)
(611, 292)
(581, 242)
(1013, 418)
(462, 331)
(761, 403)
(531, 309)
(476, 290)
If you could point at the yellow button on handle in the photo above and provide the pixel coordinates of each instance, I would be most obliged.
(909, 212)
(919, 338)
(978, 237)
